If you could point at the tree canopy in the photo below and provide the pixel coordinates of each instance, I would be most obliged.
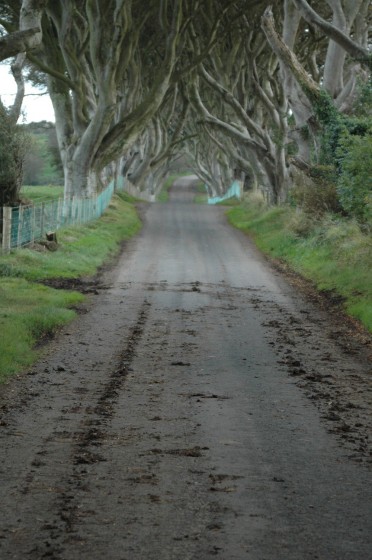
(243, 88)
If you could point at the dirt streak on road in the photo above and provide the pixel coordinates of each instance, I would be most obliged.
(199, 408)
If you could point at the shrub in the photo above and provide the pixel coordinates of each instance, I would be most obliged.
(355, 180)
(302, 224)
(13, 147)
(316, 198)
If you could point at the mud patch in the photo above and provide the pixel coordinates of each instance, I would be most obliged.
(84, 286)
(329, 379)
(191, 452)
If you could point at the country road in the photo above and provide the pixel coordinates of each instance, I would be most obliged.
(200, 407)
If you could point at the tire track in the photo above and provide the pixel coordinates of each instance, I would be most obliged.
(85, 455)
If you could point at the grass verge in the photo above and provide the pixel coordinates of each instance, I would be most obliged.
(332, 251)
(30, 311)
(233, 201)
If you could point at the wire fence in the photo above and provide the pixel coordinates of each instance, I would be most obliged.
(24, 225)
(234, 192)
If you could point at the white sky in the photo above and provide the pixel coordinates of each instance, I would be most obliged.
(35, 108)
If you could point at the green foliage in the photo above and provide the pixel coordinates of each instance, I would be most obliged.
(363, 104)
(13, 147)
(325, 109)
(345, 159)
(319, 197)
(333, 251)
(302, 223)
(331, 122)
(355, 181)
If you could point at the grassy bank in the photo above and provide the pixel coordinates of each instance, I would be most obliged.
(331, 251)
(30, 311)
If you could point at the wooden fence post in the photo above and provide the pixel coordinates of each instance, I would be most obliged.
(7, 229)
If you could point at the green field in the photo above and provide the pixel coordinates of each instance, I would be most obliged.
(41, 193)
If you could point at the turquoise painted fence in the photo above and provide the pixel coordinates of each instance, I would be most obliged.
(234, 191)
(25, 224)
(120, 183)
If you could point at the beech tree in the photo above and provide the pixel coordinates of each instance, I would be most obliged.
(243, 74)
(241, 89)
(324, 83)
(148, 163)
(107, 81)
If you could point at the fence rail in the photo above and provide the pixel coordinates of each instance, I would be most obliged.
(24, 225)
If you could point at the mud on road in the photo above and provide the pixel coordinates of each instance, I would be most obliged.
(201, 406)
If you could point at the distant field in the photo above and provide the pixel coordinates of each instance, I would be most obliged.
(41, 193)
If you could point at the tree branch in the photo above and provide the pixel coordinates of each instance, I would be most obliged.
(50, 71)
(289, 59)
(17, 68)
(357, 52)
(17, 42)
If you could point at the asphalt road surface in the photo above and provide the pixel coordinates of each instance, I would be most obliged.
(200, 407)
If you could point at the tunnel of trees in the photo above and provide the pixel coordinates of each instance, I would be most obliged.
(272, 93)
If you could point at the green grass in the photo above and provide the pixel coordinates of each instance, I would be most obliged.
(30, 311)
(233, 201)
(332, 252)
(41, 193)
(82, 248)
